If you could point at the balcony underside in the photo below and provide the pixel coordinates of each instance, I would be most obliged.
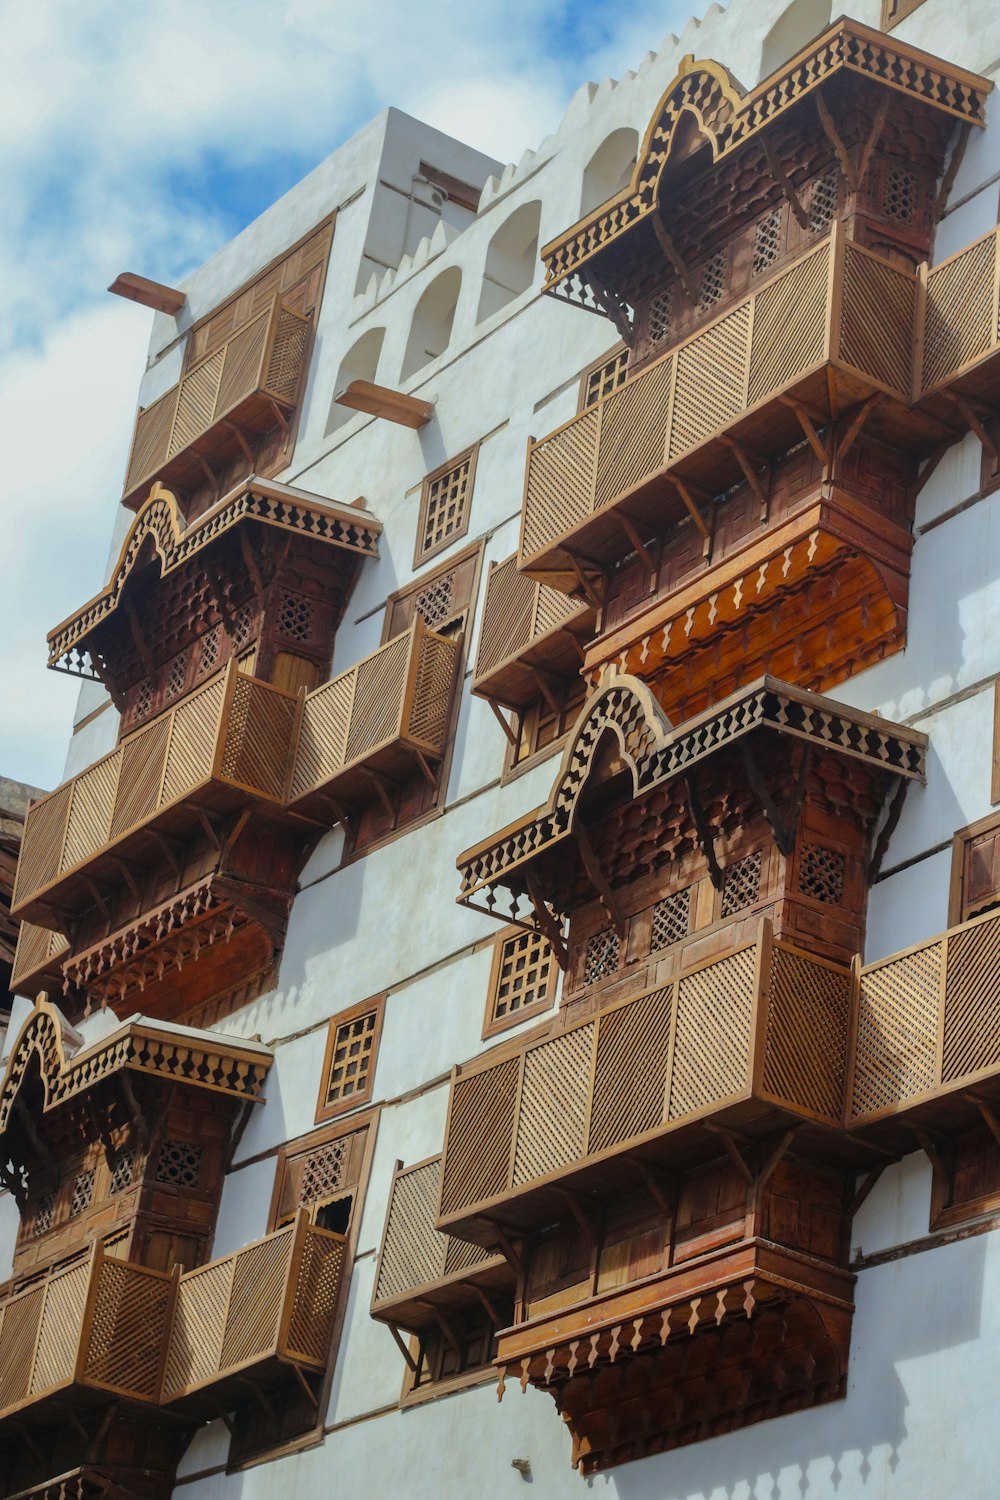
(419, 1308)
(821, 597)
(747, 1333)
(514, 682)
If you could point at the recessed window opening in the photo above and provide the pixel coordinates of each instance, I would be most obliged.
(359, 363)
(433, 318)
(797, 25)
(511, 260)
(609, 170)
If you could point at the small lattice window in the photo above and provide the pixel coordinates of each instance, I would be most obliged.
(436, 603)
(821, 873)
(713, 281)
(83, 1192)
(767, 242)
(445, 502)
(295, 616)
(823, 203)
(143, 700)
(349, 1066)
(741, 885)
(121, 1176)
(179, 1164)
(602, 955)
(899, 198)
(176, 674)
(661, 315)
(671, 919)
(243, 627)
(601, 379)
(521, 981)
(211, 644)
(324, 1170)
(44, 1214)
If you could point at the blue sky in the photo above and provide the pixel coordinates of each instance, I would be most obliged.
(142, 137)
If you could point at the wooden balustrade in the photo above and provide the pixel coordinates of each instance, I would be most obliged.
(254, 1313)
(832, 328)
(96, 1326)
(754, 1039)
(37, 960)
(381, 718)
(528, 631)
(926, 1029)
(228, 741)
(422, 1272)
(250, 382)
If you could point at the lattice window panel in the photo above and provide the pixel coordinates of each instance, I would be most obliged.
(176, 675)
(211, 645)
(823, 207)
(352, 1057)
(324, 1169)
(121, 1176)
(179, 1164)
(295, 616)
(436, 603)
(671, 919)
(243, 627)
(767, 242)
(44, 1214)
(606, 378)
(661, 315)
(899, 194)
(741, 884)
(713, 281)
(143, 701)
(821, 873)
(444, 505)
(602, 956)
(523, 975)
(83, 1192)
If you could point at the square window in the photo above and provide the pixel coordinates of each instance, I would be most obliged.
(445, 502)
(349, 1063)
(521, 981)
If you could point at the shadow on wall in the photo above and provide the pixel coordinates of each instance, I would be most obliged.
(929, 1304)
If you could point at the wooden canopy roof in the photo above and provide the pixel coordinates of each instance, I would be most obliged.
(160, 523)
(175, 1053)
(728, 117)
(654, 753)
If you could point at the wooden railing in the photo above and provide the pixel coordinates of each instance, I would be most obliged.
(927, 1023)
(391, 706)
(526, 626)
(417, 1263)
(99, 1324)
(38, 954)
(764, 1025)
(261, 363)
(837, 305)
(961, 313)
(234, 732)
(273, 1300)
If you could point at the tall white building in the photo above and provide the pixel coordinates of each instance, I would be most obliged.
(521, 909)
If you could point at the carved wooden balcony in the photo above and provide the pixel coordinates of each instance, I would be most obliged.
(960, 364)
(382, 719)
(421, 1272)
(926, 1029)
(251, 382)
(260, 1317)
(529, 635)
(751, 1331)
(90, 1333)
(225, 745)
(755, 1041)
(830, 330)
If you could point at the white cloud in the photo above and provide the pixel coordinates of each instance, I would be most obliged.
(123, 126)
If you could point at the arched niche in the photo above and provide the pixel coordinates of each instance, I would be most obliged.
(797, 25)
(511, 259)
(609, 170)
(433, 317)
(359, 363)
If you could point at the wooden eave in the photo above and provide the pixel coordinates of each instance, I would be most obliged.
(730, 118)
(506, 858)
(176, 1054)
(160, 520)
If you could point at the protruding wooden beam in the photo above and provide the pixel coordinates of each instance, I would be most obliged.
(732, 1150)
(686, 493)
(658, 1190)
(592, 596)
(637, 542)
(154, 294)
(381, 401)
(806, 422)
(502, 721)
(598, 879)
(972, 418)
(674, 258)
(403, 1348)
(743, 458)
(878, 125)
(250, 561)
(858, 421)
(767, 1170)
(833, 136)
(784, 182)
(488, 1307)
(989, 1115)
(951, 170)
(539, 679)
(382, 784)
(609, 305)
(783, 830)
(546, 922)
(893, 807)
(706, 841)
(871, 1178)
(240, 436)
(579, 1212)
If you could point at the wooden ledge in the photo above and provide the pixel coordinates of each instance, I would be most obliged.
(380, 401)
(153, 294)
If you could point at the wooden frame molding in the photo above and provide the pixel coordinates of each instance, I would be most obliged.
(350, 1058)
(445, 505)
(523, 964)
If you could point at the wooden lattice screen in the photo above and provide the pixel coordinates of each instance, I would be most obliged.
(414, 1254)
(516, 612)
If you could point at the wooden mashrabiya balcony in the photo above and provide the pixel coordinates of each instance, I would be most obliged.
(225, 745)
(375, 723)
(959, 375)
(530, 634)
(422, 1273)
(249, 383)
(833, 329)
(755, 1041)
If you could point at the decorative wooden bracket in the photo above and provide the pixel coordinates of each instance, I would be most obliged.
(37, 1144)
(403, 1348)
(925, 473)
(598, 879)
(732, 1140)
(498, 714)
(951, 171)
(833, 136)
(575, 562)
(660, 1187)
(637, 542)
(858, 421)
(781, 178)
(878, 125)
(932, 1145)
(139, 641)
(972, 412)
(807, 421)
(169, 848)
(304, 1386)
(383, 784)
(250, 561)
(135, 1110)
(706, 841)
(766, 1172)
(746, 458)
(783, 829)
(245, 448)
(128, 872)
(610, 306)
(688, 495)
(447, 1330)
(892, 807)
(581, 1213)
(488, 1307)
(507, 1249)
(674, 258)
(990, 1119)
(547, 923)
(540, 679)
(99, 1122)
(865, 1188)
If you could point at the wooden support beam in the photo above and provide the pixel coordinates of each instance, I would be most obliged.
(135, 1109)
(498, 714)
(305, 1387)
(168, 848)
(659, 1191)
(874, 135)
(637, 542)
(208, 828)
(931, 1146)
(892, 807)
(767, 1170)
(609, 305)
(425, 769)
(733, 1151)
(259, 1396)
(742, 456)
(154, 294)
(674, 258)
(539, 679)
(225, 1418)
(926, 471)
(381, 401)
(706, 840)
(279, 417)
(806, 422)
(833, 136)
(97, 894)
(782, 179)
(250, 561)
(592, 596)
(382, 785)
(990, 1119)
(245, 448)
(206, 468)
(598, 879)
(99, 1125)
(784, 832)
(448, 1331)
(579, 1212)
(686, 494)
(139, 640)
(403, 1348)
(951, 170)
(488, 1307)
(546, 922)
(510, 1254)
(972, 419)
(127, 870)
(857, 422)
(871, 1178)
